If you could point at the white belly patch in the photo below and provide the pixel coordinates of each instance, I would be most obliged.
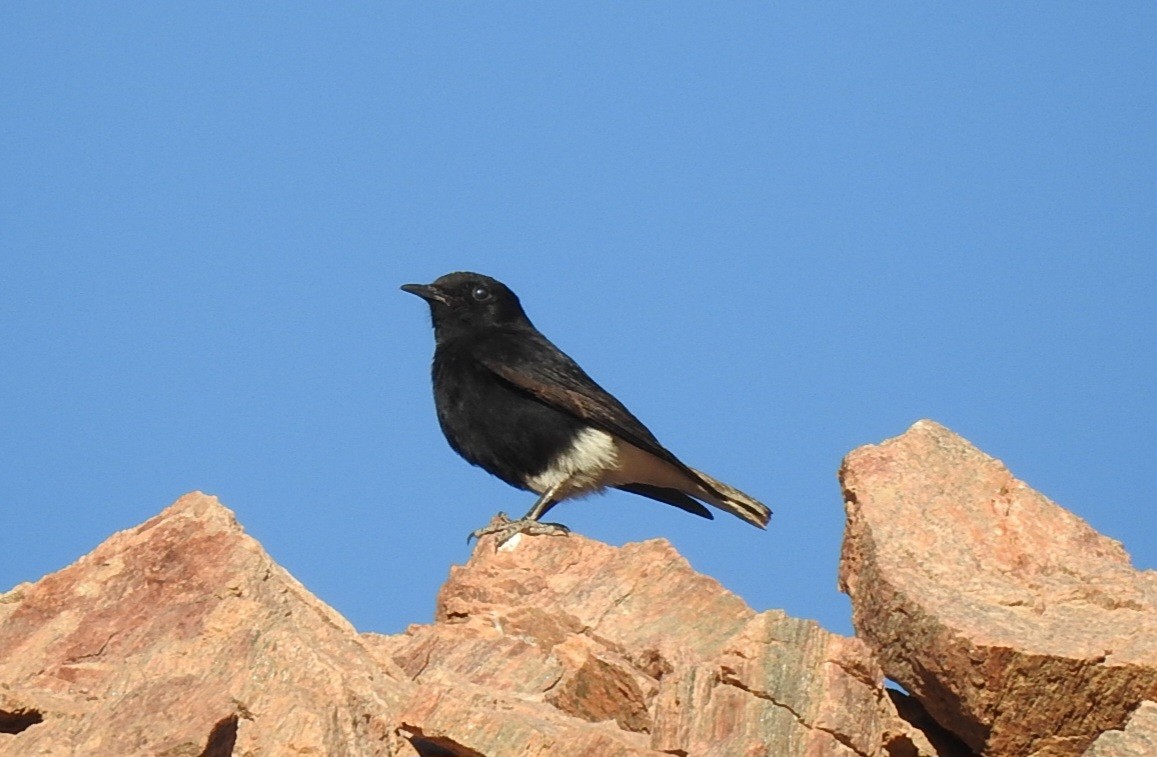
(585, 466)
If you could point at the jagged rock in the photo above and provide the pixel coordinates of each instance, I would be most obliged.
(1138, 739)
(662, 659)
(1017, 626)
(182, 637)
(1011, 623)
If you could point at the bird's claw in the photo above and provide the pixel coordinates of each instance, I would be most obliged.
(504, 529)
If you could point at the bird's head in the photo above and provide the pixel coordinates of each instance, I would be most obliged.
(465, 302)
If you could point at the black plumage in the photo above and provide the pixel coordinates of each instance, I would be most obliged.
(512, 403)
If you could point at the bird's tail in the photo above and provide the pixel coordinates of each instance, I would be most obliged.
(732, 500)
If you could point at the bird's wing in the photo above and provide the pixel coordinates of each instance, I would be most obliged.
(530, 362)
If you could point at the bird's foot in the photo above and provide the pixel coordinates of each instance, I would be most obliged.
(504, 529)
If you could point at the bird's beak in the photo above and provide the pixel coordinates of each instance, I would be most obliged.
(427, 292)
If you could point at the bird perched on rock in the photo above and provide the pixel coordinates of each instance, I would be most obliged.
(512, 403)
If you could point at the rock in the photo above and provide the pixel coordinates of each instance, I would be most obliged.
(1016, 625)
(1138, 739)
(182, 637)
(658, 658)
(1013, 626)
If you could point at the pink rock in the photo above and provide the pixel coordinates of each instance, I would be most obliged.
(1018, 627)
(633, 639)
(181, 636)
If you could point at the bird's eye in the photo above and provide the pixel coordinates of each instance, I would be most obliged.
(480, 293)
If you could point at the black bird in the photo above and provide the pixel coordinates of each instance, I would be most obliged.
(512, 403)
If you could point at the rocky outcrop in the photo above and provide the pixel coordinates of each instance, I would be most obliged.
(1015, 629)
(1014, 623)
(633, 638)
(182, 637)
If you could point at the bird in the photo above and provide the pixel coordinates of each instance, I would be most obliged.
(512, 403)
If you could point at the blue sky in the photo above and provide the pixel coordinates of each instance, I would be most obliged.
(776, 232)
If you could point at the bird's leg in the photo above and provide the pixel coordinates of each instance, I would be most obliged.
(529, 524)
(543, 503)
